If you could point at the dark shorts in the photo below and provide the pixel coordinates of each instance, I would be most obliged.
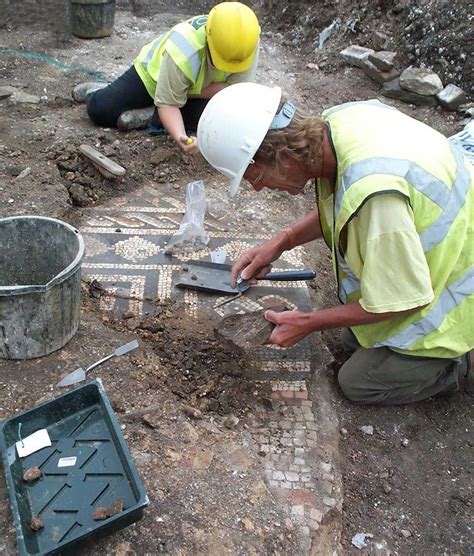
(128, 92)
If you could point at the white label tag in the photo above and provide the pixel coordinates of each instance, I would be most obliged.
(33, 443)
(67, 462)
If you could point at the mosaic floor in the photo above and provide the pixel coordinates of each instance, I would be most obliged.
(125, 243)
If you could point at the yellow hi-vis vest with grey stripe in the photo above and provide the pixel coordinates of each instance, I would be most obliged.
(186, 44)
(381, 150)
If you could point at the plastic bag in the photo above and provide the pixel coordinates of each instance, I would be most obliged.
(191, 235)
(328, 31)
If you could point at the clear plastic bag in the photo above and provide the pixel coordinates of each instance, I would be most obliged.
(191, 235)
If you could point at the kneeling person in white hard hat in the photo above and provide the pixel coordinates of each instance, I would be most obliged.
(179, 71)
(394, 205)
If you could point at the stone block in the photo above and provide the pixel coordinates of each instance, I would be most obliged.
(392, 89)
(356, 55)
(420, 81)
(378, 75)
(315, 514)
(383, 60)
(6, 91)
(19, 97)
(303, 497)
(297, 511)
(328, 501)
(451, 97)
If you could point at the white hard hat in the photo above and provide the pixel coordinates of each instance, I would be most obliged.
(233, 126)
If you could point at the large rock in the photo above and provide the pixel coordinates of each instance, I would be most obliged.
(378, 75)
(451, 97)
(383, 60)
(420, 81)
(356, 55)
(392, 89)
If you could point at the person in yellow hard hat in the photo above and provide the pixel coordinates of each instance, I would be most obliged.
(180, 71)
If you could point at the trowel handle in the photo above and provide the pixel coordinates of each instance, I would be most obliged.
(97, 363)
(122, 350)
(290, 275)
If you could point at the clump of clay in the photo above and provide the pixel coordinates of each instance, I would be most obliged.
(101, 513)
(32, 474)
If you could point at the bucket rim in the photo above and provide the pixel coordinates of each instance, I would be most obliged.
(63, 275)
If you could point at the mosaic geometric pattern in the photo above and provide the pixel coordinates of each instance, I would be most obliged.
(125, 246)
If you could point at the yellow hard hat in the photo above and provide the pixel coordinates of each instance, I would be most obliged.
(232, 36)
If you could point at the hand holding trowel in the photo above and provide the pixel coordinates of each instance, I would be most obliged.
(79, 375)
(216, 277)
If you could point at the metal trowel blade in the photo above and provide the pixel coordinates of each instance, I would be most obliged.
(72, 378)
(208, 277)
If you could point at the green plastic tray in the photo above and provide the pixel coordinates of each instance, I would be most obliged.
(80, 423)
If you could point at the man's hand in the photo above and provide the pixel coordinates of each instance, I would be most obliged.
(189, 145)
(291, 327)
(256, 262)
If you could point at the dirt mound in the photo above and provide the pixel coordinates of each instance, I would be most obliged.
(437, 35)
(432, 33)
(204, 371)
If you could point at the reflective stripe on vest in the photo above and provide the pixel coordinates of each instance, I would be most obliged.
(434, 234)
(188, 50)
(449, 299)
(154, 46)
(350, 283)
(450, 201)
(183, 44)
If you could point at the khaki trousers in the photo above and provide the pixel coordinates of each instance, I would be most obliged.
(382, 376)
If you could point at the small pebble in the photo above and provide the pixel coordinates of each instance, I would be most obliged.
(405, 533)
(367, 429)
(230, 422)
(194, 277)
(387, 488)
(405, 442)
(192, 412)
(343, 431)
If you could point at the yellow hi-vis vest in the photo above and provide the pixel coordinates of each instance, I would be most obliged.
(186, 44)
(381, 150)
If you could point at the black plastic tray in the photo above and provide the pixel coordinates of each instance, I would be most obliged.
(80, 423)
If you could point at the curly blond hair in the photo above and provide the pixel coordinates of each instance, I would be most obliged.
(301, 140)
